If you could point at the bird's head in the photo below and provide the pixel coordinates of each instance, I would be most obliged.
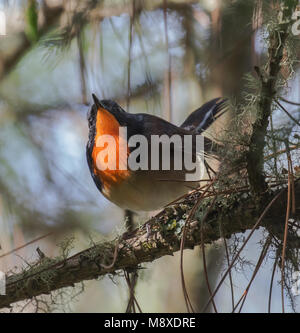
(105, 117)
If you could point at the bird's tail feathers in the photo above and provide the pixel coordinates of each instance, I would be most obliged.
(202, 118)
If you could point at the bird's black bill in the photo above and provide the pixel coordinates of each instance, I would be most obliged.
(96, 101)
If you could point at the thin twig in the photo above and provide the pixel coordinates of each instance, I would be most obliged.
(24, 245)
(203, 252)
(287, 216)
(289, 102)
(169, 115)
(230, 275)
(114, 258)
(244, 244)
(287, 113)
(257, 267)
(291, 174)
(271, 283)
(187, 222)
(132, 18)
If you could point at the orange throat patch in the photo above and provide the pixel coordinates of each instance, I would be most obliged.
(110, 151)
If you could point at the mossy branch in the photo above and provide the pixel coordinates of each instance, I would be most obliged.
(158, 237)
(278, 34)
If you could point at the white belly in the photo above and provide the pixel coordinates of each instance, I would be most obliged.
(145, 193)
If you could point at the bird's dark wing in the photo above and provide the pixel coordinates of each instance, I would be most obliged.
(152, 125)
(202, 118)
(149, 125)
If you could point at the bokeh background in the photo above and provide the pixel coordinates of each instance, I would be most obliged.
(161, 57)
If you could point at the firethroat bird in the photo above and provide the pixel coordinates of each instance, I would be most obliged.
(144, 190)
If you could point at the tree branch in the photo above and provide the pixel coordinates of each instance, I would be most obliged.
(233, 213)
(8, 60)
(269, 79)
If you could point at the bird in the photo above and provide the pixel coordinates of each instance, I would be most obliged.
(144, 189)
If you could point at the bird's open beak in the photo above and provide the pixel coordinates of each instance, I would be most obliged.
(96, 101)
